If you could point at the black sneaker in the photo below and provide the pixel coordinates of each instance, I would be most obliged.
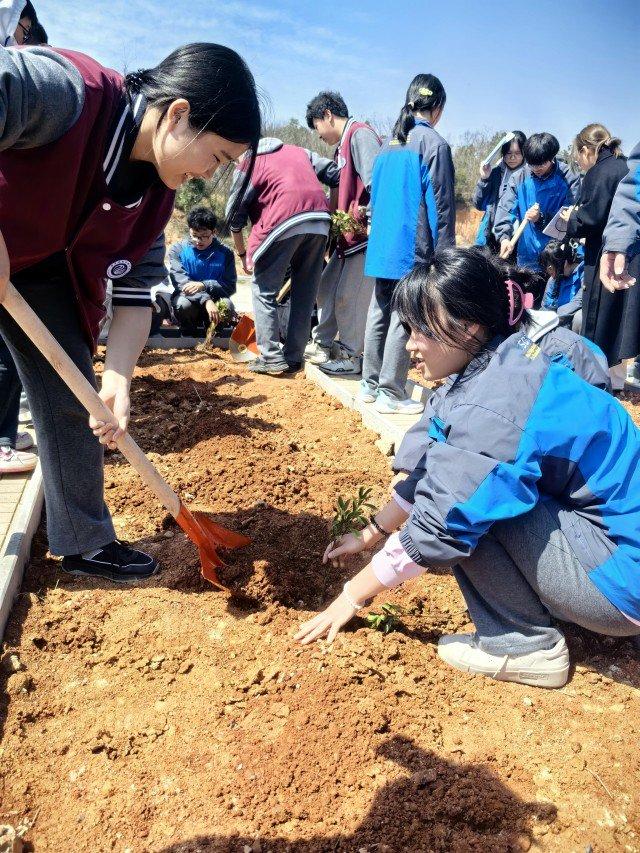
(272, 368)
(116, 562)
(293, 367)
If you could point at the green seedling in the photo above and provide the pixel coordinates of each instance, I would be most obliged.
(225, 313)
(350, 514)
(386, 621)
(345, 223)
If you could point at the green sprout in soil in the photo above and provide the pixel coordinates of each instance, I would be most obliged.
(225, 313)
(350, 514)
(345, 223)
(387, 621)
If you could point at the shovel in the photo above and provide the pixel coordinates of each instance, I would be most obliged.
(242, 343)
(203, 532)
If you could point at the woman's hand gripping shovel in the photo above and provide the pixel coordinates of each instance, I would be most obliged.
(203, 532)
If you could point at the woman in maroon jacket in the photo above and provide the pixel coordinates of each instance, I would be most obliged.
(89, 162)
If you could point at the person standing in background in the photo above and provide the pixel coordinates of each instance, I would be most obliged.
(492, 185)
(345, 291)
(413, 212)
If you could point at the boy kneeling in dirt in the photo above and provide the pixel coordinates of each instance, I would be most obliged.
(203, 271)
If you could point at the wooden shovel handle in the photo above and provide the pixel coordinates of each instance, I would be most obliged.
(39, 335)
(518, 233)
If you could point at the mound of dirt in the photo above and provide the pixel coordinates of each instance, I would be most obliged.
(168, 717)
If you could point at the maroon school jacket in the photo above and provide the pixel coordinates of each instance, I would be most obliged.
(54, 198)
(352, 193)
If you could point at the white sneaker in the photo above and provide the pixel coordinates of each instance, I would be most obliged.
(15, 462)
(386, 405)
(545, 668)
(365, 394)
(319, 354)
(347, 366)
(24, 441)
(24, 416)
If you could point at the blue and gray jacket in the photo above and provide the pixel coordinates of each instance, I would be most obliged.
(494, 454)
(587, 360)
(622, 233)
(561, 187)
(412, 202)
(486, 196)
(213, 265)
(564, 294)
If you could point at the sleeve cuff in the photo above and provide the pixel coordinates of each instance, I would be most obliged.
(392, 565)
(404, 504)
(131, 297)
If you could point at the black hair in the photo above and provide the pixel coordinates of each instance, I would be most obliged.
(461, 286)
(219, 87)
(540, 148)
(425, 94)
(29, 12)
(38, 34)
(202, 219)
(323, 101)
(558, 252)
(519, 137)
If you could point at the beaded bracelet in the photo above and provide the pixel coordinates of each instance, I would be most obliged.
(351, 601)
(378, 527)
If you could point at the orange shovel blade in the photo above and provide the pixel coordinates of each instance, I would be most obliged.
(208, 536)
(242, 343)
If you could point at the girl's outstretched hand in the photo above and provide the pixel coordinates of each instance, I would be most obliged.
(327, 623)
(348, 545)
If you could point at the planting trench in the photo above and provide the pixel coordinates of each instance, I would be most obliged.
(166, 718)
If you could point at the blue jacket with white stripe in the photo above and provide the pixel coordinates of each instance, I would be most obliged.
(561, 187)
(412, 203)
(517, 427)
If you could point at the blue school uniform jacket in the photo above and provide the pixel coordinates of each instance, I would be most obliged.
(564, 290)
(412, 202)
(487, 195)
(520, 427)
(561, 187)
(213, 265)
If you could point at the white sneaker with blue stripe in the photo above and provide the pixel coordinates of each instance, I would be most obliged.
(366, 395)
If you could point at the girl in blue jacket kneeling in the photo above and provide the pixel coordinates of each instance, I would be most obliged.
(536, 510)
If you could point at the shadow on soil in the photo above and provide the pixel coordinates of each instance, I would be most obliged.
(438, 806)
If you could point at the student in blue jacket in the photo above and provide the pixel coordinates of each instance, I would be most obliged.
(493, 184)
(413, 211)
(536, 510)
(536, 194)
(563, 262)
(203, 271)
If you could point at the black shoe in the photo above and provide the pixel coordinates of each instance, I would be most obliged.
(293, 367)
(116, 562)
(272, 368)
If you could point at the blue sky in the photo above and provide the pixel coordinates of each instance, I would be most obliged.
(540, 65)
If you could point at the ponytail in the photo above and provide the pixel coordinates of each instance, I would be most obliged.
(425, 94)
(595, 137)
(219, 87)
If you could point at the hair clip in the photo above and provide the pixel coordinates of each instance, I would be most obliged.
(425, 92)
(526, 301)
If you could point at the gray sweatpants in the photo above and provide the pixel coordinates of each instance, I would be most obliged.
(305, 254)
(385, 364)
(343, 299)
(522, 574)
(72, 458)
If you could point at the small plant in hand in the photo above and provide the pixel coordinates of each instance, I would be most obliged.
(350, 516)
(225, 314)
(345, 223)
(386, 621)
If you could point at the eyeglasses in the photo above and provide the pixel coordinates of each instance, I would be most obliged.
(511, 154)
(26, 32)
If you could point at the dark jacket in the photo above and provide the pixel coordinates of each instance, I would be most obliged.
(487, 196)
(607, 318)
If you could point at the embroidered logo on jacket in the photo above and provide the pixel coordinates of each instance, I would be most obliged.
(118, 269)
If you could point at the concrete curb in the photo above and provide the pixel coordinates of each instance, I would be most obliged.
(18, 544)
(345, 390)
